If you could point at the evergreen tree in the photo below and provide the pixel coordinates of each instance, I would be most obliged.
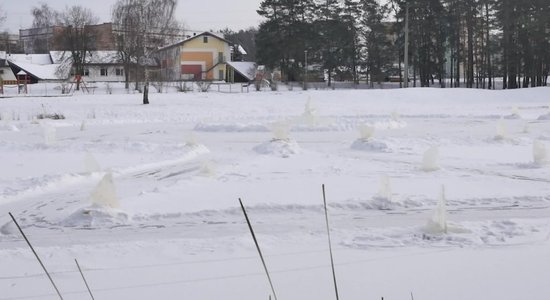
(283, 37)
(375, 34)
(482, 39)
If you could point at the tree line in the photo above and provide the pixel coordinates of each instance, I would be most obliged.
(452, 43)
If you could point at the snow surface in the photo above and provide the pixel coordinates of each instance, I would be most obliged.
(180, 164)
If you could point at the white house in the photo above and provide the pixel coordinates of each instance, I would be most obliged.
(101, 66)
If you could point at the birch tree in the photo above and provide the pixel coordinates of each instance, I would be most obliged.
(77, 37)
(2, 16)
(143, 25)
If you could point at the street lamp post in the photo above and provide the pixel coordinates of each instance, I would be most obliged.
(406, 54)
(305, 74)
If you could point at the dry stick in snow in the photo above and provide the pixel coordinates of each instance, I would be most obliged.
(36, 255)
(258, 248)
(84, 278)
(330, 243)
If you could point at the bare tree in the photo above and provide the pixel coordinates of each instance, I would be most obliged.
(143, 25)
(44, 16)
(125, 16)
(2, 15)
(77, 37)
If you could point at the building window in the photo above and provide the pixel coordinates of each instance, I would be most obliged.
(103, 72)
(119, 72)
(1, 72)
(86, 72)
(205, 39)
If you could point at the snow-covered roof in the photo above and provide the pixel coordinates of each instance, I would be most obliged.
(59, 56)
(36, 59)
(103, 57)
(93, 57)
(239, 49)
(194, 37)
(242, 51)
(245, 68)
(41, 72)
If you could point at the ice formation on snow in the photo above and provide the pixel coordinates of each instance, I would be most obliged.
(90, 163)
(395, 117)
(191, 140)
(366, 141)
(384, 190)
(515, 114)
(383, 199)
(438, 222)
(526, 128)
(50, 134)
(540, 153)
(104, 195)
(207, 169)
(366, 131)
(310, 114)
(502, 132)
(430, 160)
(280, 131)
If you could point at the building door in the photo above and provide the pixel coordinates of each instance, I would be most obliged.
(193, 71)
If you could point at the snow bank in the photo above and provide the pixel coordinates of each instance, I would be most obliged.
(278, 147)
(96, 216)
(370, 145)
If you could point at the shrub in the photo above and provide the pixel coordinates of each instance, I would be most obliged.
(54, 116)
(204, 86)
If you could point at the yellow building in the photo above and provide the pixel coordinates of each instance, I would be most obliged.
(200, 57)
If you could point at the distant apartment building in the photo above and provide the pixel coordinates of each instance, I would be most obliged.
(10, 43)
(43, 40)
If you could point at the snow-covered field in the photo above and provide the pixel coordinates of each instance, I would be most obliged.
(174, 228)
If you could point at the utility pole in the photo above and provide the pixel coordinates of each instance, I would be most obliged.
(305, 75)
(406, 46)
(146, 59)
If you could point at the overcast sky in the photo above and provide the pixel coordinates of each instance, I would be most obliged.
(196, 14)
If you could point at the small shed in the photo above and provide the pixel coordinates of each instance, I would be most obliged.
(241, 71)
(23, 79)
